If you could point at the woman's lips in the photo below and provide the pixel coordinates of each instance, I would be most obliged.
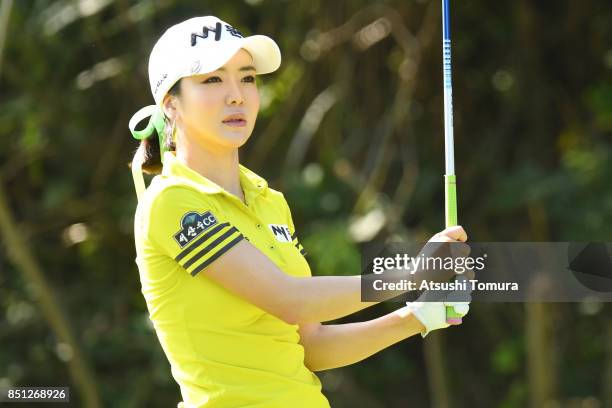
(235, 122)
(237, 119)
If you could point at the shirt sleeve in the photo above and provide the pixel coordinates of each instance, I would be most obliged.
(185, 226)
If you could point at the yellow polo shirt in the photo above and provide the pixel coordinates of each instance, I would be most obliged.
(223, 351)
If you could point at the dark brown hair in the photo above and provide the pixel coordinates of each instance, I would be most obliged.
(149, 150)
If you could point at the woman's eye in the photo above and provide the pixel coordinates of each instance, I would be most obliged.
(249, 78)
(211, 80)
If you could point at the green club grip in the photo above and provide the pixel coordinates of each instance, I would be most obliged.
(450, 183)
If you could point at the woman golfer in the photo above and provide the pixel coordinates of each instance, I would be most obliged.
(223, 274)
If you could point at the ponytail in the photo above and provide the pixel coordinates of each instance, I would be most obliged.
(150, 153)
(148, 158)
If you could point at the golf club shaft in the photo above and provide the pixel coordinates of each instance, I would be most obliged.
(450, 195)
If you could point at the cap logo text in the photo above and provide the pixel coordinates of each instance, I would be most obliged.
(218, 30)
(161, 81)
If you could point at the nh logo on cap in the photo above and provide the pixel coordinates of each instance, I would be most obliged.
(218, 30)
(281, 232)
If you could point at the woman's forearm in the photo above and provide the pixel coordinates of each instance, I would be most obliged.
(333, 346)
(324, 298)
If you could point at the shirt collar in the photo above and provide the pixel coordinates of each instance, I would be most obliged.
(252, 184)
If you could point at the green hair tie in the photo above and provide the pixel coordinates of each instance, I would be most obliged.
(157, 124)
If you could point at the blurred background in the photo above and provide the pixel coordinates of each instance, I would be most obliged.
(351, 130)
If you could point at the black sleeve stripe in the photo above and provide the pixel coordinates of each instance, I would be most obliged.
(218, 254)
(200, 240)
(210, 247)
(303, 251)
(293, 236)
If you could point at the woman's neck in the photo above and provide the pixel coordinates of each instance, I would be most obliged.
(219, 167)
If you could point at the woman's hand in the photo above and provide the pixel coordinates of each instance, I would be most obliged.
(432, 315)
(449, 242)
(450, 234)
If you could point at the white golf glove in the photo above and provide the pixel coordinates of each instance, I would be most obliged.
(433, 314)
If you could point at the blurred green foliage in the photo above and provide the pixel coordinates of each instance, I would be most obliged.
(350, 128)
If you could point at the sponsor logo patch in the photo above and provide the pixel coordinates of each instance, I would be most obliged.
(192, 225)
(281, 232)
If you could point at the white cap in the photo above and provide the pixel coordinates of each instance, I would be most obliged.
(201, 45)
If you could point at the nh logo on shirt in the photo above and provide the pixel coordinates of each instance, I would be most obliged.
(281, 232)
(192, 225)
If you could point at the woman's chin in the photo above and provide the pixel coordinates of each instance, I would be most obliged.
(235, 139)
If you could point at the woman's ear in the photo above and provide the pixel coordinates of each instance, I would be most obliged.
(169, 107)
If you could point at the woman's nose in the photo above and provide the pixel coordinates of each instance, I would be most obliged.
(234, 95)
